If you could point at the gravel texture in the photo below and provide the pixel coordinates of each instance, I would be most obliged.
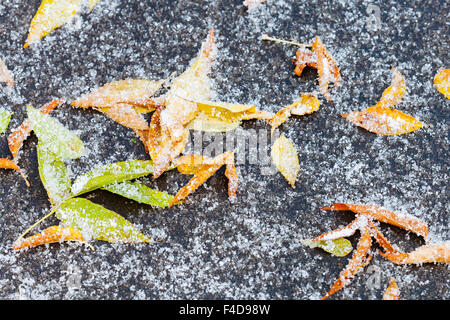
(209, 248)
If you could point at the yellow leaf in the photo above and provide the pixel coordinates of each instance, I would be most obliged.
(170, 129)
(306, 105)
(395, 92)
(203, 122)
(232, 107)
(284, 156)
(384, 120)
(51, 15)
(442, 82)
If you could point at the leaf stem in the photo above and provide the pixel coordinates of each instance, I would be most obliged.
(35, 224)
(266, 37)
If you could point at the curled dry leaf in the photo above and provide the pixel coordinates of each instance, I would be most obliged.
(6, 75)
(51, 15)
(320, 59)
(392, 291)
(431, 253)
(18, 136)
(5, 118)
(203, 168)
(442, 82)
(8, 164)
(284, 156)
(50, 235)
(406, 222)
(381, 119)
(97, 222)
(170, 132)
(365, 214)
(306, 105)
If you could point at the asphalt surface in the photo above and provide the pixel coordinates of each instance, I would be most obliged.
(209, 248)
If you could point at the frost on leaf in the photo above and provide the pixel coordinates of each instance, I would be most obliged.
(54, 135)
(50, 235)
(6, 75)
(431, 253)
(222, 116)
(442, 82)
(5, 117)
(365, 214)
(92, 4)
(253, 3)
(140, 193)
(203, 168)
(111, 173)
(381, 119)
(8, 164)
(392, 291)
(171, 127)
(97, 222)
(18, 136)
(306, 105)
(54, 175)
(51, 15)
(284, 156)
(338, 247)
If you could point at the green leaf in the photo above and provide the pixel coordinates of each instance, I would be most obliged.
(54, 175)
(97, 222)
(338, 247)
(140, 193)
(5, 117)
(54, 135)
(111, 173)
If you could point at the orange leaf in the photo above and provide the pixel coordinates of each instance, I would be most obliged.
(343, 232)
(409, 223)
(306, 105)
(8, 164)
(395, 92)
(327, 68)
(361, 257)
(18, 136)
(122, 91)
(203, 168)
(392, 292)
(50, 235)
(127, 116)
(304, 57)
(442, 82)
(5, 74)
(383, 120)
(428, 253)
